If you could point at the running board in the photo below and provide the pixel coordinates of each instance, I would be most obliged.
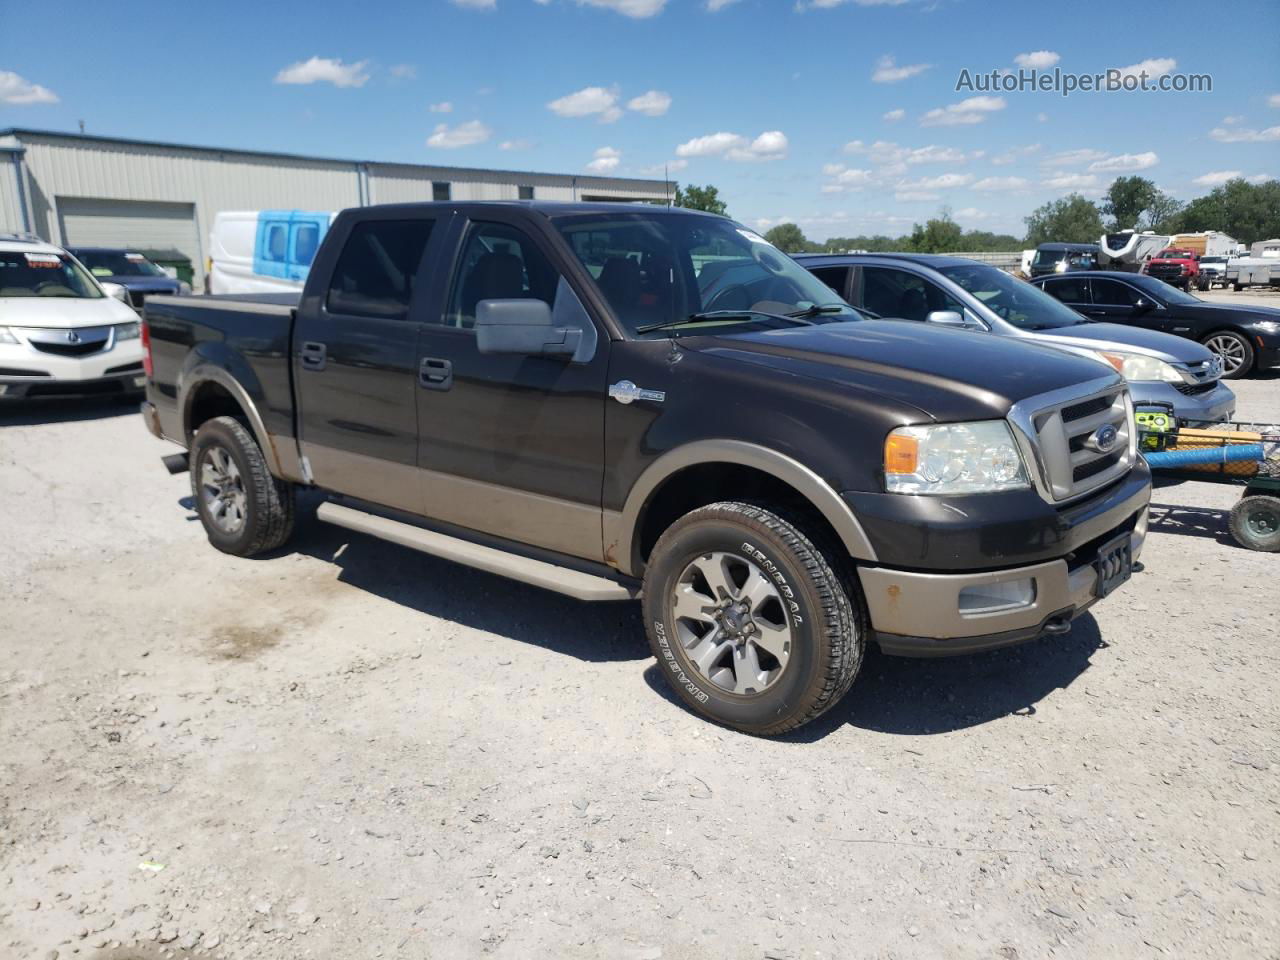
(539, 573)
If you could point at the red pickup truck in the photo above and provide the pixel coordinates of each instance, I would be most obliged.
(1178, 268)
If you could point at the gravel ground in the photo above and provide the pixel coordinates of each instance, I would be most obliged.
(352, 750)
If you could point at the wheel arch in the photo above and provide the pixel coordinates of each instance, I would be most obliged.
(673, 481)
(210, 391)
(1248, 338)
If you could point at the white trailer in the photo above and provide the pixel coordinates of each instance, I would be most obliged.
(1128, 249)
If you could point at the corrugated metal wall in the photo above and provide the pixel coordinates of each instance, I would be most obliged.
(10, 197)
(67, 166)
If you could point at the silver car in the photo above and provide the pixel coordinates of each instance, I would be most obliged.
(1161, 369)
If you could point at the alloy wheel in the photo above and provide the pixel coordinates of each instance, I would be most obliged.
(1230, 349)
(732, 623)
(222, 490)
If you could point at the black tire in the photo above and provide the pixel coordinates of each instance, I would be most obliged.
(1237, 287)
(1255, 523)
(822, 610)
(1244, 353)
(267, 510)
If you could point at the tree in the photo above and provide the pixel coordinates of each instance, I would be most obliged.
(1073, 219)
(701, 198)
(1247, 211)
(788, 238)
(1137, 203)
(939, 235)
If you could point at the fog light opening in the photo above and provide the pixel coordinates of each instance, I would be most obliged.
(997, 597)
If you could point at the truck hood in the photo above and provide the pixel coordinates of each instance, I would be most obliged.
(948, 374)
(62, 312)
(1117, 336)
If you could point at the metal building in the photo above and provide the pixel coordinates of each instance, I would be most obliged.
(75, 189)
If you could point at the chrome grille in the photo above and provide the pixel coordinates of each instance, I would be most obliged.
(72, 342)
(1064, 434)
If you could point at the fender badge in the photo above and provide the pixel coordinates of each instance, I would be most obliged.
(624, 391)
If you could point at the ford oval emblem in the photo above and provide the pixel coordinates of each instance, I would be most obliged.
(1103, 439)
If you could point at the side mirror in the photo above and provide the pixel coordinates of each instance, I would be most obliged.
(948, 318)
(119, 291)
(522, 327)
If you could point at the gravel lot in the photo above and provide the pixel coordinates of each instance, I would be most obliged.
(352, 750)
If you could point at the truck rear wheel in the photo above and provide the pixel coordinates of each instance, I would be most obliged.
(1235, 350)
(750, 623)
(244, 509)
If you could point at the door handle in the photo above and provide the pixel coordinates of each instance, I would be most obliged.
(435, 373)
(313, 355)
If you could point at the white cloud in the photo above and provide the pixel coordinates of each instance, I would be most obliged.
(403, 71)
(1260, 178)
(513, 145)
(652, 104)
(770, 145)
(477, 4)
(1156, 67)
(1037, 60)
(589, 101)
(20, 92)
(990, 184)
(1014, 155)
(1042, 117)
(830, 4)
(1273, 100)
(444, 106)
(1125, 162)
(1216, 178)
(325, 70)
(970, 111)
(893, 116)
(972, 213)
(606, 160)
(1071, 181)
(1073, 158)
(662, 169)
(636, 9)
(945, 181)
(463, 135)
(909, 196)
(887, 154)
(888, 71)
(715, 5)
(1233, 120)
(1244, 135)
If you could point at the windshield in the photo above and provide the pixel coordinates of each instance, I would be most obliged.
(1044, 257)
(110, 264)
(665, 269)
(44, 275)
(1015, 301)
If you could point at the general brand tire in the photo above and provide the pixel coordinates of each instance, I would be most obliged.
(822, 611)
(265, 505)
(1255, 523)
(1236, 352)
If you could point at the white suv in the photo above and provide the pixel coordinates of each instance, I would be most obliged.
(61, 332)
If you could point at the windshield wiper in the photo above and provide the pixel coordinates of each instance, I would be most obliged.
(722, 316)
(817, 310)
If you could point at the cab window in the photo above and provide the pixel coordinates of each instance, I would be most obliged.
(499, 262)
(375, 272)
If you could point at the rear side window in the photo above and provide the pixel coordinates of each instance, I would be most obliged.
(277, 245)
(1114, 293)
(306, 240)
(1069, 290)
(898, 294)
(833, 277)
(375, 272)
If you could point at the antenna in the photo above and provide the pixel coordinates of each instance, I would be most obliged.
(666, 182)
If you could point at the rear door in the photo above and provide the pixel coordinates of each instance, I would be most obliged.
(511, 445)
(355, 358)
(1073, 291)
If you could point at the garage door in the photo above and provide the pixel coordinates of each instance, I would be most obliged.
(137, 224)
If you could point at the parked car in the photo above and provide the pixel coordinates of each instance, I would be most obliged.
(693, 415)
(263, 251)
(62, 333)
(1062, 257)
(1213, 272)
(1161, 369)
(1245, 337)
(1177, 267)
(133, 271)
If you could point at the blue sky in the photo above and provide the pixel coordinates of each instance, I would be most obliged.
(841, 115)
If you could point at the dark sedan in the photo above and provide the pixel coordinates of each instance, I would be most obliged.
(1247, 337)
(131, 270)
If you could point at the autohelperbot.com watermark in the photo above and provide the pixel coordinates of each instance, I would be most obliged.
(1065, 83)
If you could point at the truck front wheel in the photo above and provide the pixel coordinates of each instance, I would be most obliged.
(749, 620)
(244, 509)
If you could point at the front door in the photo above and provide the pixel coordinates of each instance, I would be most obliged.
(355, 363)
(1117, 302)
(511, 445)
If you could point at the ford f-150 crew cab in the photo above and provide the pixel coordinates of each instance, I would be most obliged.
(614, 401)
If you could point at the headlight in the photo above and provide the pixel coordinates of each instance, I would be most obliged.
(1060, 267)
(1139, 366)
(6, 336)
(1267, 326)
(127, 331)
(949, 458)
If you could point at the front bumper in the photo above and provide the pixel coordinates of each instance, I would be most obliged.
(26, 371)
(923, 614)
(1213, 405)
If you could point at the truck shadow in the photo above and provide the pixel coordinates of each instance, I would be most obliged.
(592, 632)
(1204, 522)
(34, 413)
(917, 697)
